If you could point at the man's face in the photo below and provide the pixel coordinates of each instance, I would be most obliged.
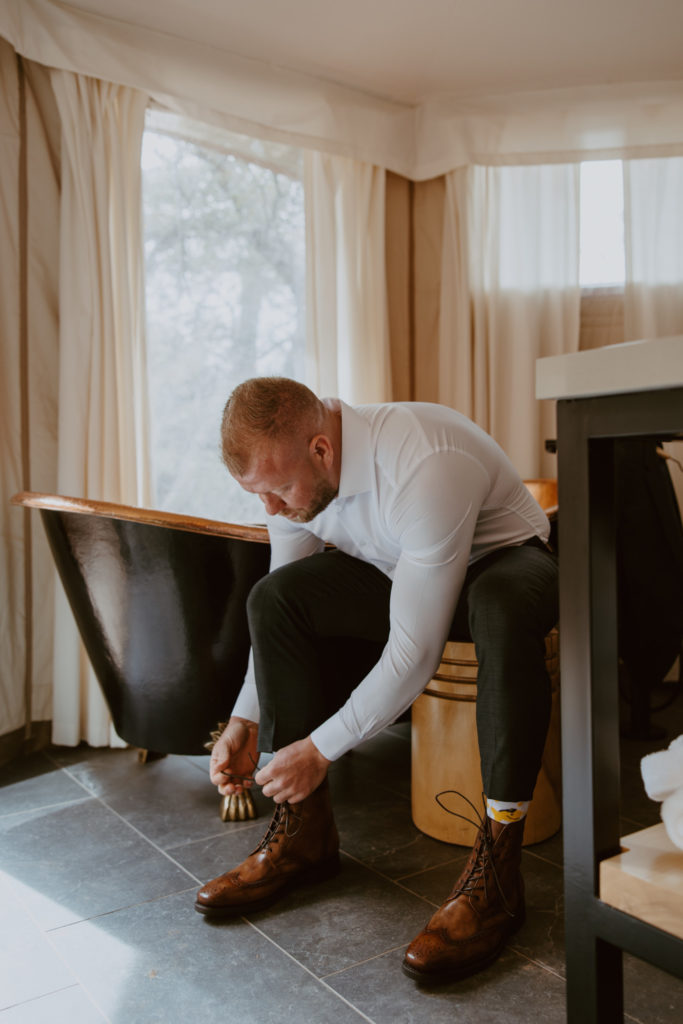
(294, 486)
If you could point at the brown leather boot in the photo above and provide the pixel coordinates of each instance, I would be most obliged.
(300, 846)
(484, 909)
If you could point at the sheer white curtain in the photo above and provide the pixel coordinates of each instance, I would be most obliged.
(347, 323)
(102, 387)
(510, 294)
(653, 235)
(653, 221)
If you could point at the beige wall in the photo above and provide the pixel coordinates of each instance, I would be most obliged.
(29, 256)
(399, 269)
(413, 236)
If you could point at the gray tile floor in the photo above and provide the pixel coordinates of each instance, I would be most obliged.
(100, 858)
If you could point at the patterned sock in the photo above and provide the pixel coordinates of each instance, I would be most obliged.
(507, 810)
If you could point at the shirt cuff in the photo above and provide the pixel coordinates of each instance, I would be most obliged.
(333, 739)
(246, 705)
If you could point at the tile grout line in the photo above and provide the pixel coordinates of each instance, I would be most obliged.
(47, 935)
(46, 807)
(434, 867)
(387, 878)
(544, 860)
(43, 995)
(116, 910)
(137, 831)
(103, 801)
(367, 960)
(151, 842)
(303, 967)
(209, 837)
(536, 963)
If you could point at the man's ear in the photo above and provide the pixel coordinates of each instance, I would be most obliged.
(321, 451)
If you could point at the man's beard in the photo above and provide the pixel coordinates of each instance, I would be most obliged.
(323, 494)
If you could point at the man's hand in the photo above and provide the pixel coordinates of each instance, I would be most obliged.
(235, 753)
(293, 773)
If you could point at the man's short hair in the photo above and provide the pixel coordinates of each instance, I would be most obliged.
(267, 409)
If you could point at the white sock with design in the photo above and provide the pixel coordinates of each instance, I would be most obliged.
(507, 811)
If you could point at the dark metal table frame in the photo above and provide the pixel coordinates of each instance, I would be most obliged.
(596, 933)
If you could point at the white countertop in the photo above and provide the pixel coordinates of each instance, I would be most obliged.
(633, 366)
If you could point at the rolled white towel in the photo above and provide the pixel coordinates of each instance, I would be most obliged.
(677, 744)
(672, 816)
(662, 771)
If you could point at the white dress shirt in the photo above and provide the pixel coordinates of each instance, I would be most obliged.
(423, 492)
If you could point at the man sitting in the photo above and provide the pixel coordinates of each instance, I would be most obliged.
(434, 536)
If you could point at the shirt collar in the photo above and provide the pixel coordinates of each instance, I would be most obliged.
(357, 466)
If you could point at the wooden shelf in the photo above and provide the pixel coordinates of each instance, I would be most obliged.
(646, 879)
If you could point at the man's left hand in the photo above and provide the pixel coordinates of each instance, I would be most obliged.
(293, 772)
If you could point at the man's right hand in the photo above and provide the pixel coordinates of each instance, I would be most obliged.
(234, 758)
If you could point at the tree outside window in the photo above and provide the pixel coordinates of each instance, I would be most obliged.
(225, 279)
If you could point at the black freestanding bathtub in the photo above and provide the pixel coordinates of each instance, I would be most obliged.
(160, 603)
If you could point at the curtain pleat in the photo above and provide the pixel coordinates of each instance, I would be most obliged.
(653, 221)
(29, 205)
(103, 423)
(509, 295)
(12, 539)
(653, 236)
(347, 325)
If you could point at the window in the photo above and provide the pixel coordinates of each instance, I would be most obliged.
(225, 266)
(526, 223)
(601, 210)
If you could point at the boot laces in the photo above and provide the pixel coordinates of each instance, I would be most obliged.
(481, 858)
(285, 822)
(235, 776)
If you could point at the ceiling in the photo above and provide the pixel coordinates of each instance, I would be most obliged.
(411, 51)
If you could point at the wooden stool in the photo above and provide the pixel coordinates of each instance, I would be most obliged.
(445, 751)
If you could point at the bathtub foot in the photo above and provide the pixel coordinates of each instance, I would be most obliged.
(238, 807)
(148, 755)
